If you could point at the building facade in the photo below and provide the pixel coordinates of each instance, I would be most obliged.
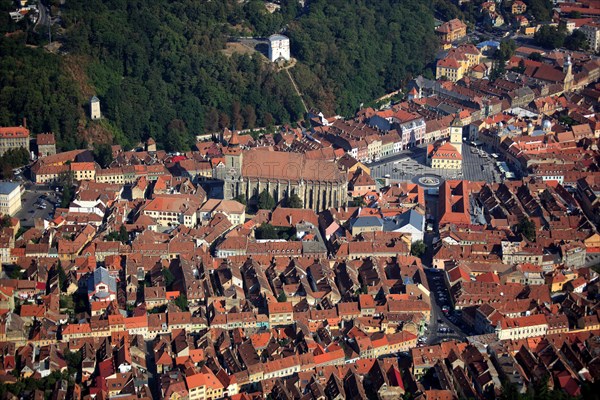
(10, 198)
(451, 31)
(46, 144)
(95, 108)
(13, 137)
(592, 34)
(279, 47)
(318, 183)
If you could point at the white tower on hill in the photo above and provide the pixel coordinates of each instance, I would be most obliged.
(95, 108)
(279, 47)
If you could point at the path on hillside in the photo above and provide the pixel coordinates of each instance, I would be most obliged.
(296, 88)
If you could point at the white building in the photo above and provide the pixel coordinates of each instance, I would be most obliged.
(95, 108)
(592, 33)
(522, 327)
(410, 222)
(279, 47)
(10, 198)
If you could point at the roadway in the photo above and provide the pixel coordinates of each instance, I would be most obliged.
(44, 17)
(440, 297)
(439, 293)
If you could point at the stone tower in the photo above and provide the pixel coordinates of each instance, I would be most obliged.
(232, 174)
(456, 131)
(279, 47)
(568, 70)
(95, 108)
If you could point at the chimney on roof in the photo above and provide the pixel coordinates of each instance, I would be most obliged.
(25, 122)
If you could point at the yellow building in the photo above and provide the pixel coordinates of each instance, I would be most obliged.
(204, 386)
(449, 68)
(446, 157)
(452, 30)
(518, 7)
(83, 171)
(457, 62)
(592, 243)
(281, 313)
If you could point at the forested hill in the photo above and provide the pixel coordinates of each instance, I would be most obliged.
(161, 69)
(354, 51)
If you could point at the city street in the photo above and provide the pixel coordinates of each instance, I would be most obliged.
(440, 320)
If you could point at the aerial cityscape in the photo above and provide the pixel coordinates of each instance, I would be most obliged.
(299, 199)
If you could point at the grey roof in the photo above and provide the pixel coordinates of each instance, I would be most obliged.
(8, 187)
(364, 222)
(410, 217)
(277, 37)
(101, 275)
(94, 99)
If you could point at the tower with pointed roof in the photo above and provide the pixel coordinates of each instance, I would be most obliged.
(568, 70)
(234, 140)
(456, 132)
(231, 172)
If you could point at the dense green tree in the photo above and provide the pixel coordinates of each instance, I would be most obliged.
(550, 37)
(160, 70)
(169, 277)
(576, 41)
(527, 228)
(103, 154)
(12, 159)
(241, 198)
(282, 298)
(294, 201)
(266, 231)
(418, 248)
(388, 42)
(65, 181)
(73, 359)
(506, 50)
(535, 56)
(123, 234)
(178, 139)
(498, 70)
(5, 221)
(62, 276)
(265, 201)
(540, 9)
(182, 302)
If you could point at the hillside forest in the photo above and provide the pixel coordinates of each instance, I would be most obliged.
(162, 68)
